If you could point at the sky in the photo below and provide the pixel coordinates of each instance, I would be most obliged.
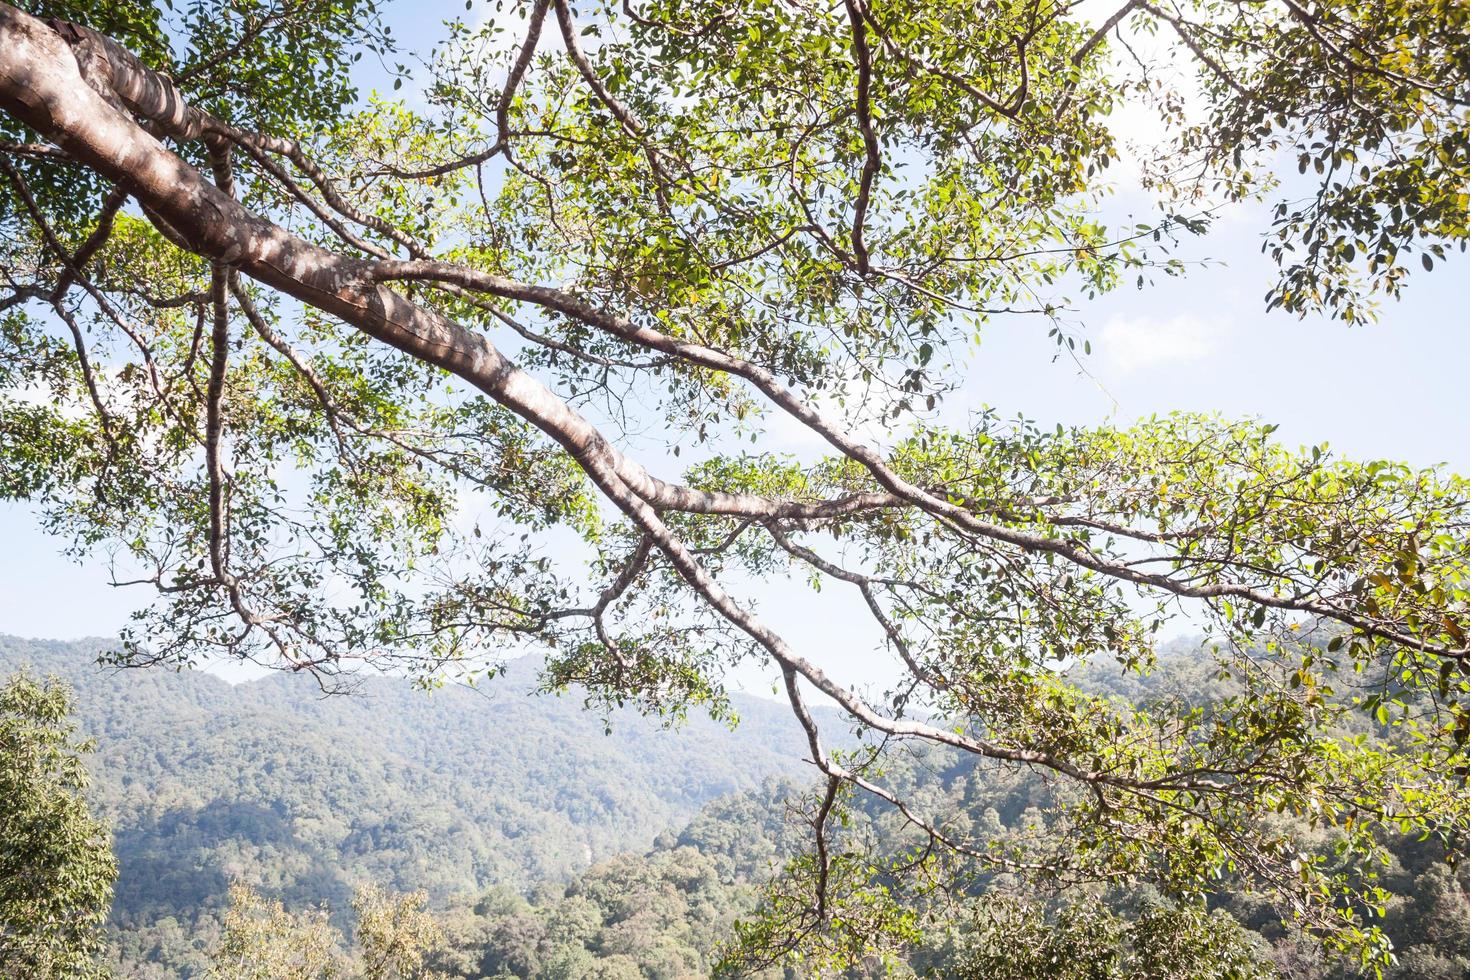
(1392, 389)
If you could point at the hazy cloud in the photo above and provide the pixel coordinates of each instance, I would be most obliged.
(1139, 343)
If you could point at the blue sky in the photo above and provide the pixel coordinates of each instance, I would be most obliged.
(1394, 389)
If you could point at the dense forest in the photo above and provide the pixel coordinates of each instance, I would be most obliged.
(527, 829)
(308, 797)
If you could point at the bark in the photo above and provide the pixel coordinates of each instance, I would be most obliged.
(58, 89)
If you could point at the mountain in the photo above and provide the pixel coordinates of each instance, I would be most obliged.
(449, 791)
(540, 833)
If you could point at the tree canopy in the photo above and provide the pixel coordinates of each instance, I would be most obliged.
(56, 863)
(354, 381)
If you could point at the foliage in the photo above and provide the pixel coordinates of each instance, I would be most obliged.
(262, 941)
(1088, 941)
(659, 916)
(394, 934)
(56, 867)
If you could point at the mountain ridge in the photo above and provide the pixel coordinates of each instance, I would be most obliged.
(207, 781)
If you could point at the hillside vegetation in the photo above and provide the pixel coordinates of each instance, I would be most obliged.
(532, 828)
(308, 797)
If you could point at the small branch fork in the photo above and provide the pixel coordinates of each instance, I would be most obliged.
(872, 161)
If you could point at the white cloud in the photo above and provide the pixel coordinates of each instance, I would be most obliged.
(1140, 343)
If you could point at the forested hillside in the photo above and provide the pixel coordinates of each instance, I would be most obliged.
(308, 797)
(665, 914)
(496, 802)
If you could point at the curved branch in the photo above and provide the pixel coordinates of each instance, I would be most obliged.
(872, 162)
